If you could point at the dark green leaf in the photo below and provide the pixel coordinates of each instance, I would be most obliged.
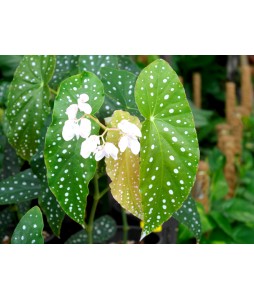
(28, 103)
(127, 64)
(119, 86)
(47, 200)
(189, 216)
(9, 63)
(104, 229)
(94, 63)
(7, 218)
(4, 88)
(29, 228)
(22, 187)
(169, 146)
(66, 66)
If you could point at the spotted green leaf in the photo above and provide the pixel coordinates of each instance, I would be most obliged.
(119, 87)
(94, 63)
(29, 228)
(4, 88)
(68, 172)
(124, 172)
(189, 216)
(22, 208)
(21, 187)
(28, 103)
(47, 200)
(104, 229)
(169, 146)
(126, 63)
(66, 65)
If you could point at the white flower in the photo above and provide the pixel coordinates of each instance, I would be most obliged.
(85, 107)
(89, 146)
(130, 142)
(70, 129)
(129, 128)
(71, 111)
(85, 128)
(107, 150)
(131, 132)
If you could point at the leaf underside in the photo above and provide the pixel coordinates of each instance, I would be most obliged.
(124, 172)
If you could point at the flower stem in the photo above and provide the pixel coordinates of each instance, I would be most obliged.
(53, 91)
(97, 121)
(96, 198)
(125, 226)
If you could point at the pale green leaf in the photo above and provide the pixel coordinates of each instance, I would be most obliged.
(169, 146)
(28, 103)
(126, 63)
(68, 172)
(124, 172)
(29, 228)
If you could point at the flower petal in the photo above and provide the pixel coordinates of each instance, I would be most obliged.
(83, 98)
(68, 131)
(71, 111)
(134, 146)
(129, 128)
(99, 154)
(111, 150)
(85, 128)
(123, 143)
(85, 107)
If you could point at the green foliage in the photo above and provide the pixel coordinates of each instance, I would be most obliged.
(29, 228)
(103, 230)
(68, 172)
(28, 103)
(169, 143)
(21, 187)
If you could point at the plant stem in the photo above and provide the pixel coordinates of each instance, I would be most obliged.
(53, 91)
(96, 199)
(125, 226)
(97, 121)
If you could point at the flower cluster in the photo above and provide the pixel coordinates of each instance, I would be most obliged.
(92, 145)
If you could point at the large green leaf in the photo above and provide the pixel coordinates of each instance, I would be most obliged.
(94, 63)
(189, 216)
(104, 228)
(119, 87)
(28, 103)
(29, 228)
(22, 187)
(124, 173)
(47, 200)
(66, 65)
(169, 146)
(67, 171)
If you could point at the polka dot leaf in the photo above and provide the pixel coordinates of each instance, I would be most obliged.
(126, 63)
(169, 147)
(28, 103)
(47, 200)
(94, 63)
(189, 216)
(124, 172)
(104, 229)
(7, 218)
(4, 88)
(68, 172)
(21, 187)
(119, 86)
(29, 228)
(66, 65)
